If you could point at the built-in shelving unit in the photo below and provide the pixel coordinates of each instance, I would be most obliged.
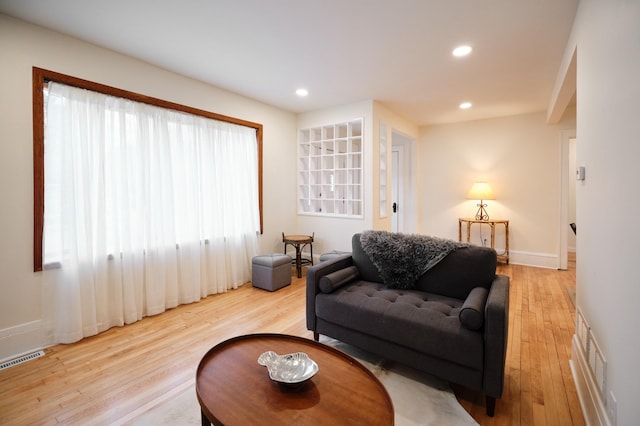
(330, 169)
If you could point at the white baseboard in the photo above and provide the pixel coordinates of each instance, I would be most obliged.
(22, 339)
(538, 260)
(593, 407)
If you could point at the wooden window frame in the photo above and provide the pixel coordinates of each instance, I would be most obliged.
(40, 78)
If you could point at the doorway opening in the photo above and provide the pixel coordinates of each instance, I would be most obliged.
(404, 214)
(567, 244)
(572, 232)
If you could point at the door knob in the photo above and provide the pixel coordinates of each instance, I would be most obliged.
(395, 207)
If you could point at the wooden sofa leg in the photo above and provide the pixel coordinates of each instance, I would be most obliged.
(491, 405)
(316, 336)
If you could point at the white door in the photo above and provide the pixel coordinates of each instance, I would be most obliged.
(403, 184)
(567, 174)
(396, 183)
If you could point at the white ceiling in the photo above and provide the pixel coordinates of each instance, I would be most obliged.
(395, 51)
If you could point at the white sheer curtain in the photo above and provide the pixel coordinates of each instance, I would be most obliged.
(145, 209)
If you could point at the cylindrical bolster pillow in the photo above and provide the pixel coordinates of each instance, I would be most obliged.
(336, 279)
(472, 311)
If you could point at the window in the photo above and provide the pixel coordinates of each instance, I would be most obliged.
(330, 169)
(122, 169)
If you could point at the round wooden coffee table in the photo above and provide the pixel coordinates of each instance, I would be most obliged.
(233, 389)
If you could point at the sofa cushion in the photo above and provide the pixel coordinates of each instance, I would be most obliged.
(335, 280)
(454, 276)
(368, 270)
(424, 322)
(402, 258)
(460, 272)
(472, 311)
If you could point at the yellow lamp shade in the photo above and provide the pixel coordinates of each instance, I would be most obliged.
(480, 191)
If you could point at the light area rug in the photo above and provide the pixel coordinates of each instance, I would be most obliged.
(418, 398)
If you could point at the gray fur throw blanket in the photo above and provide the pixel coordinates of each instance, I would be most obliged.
(402, 258)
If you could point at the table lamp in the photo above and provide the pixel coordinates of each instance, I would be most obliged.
(481, 191)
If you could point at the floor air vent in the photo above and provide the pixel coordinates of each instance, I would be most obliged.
(22, 359)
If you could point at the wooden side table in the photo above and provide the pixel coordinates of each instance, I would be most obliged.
(504, 257)
(299, 242)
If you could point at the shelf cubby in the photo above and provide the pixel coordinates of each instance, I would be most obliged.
(330, 169)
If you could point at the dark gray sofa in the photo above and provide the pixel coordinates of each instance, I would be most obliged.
(453, 324)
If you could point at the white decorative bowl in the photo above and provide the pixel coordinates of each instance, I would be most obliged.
(290, 369)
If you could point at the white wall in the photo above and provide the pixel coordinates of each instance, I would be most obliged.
(334, 233)
(607, 36)
(23, 46)
(520, 158)
(396, 125)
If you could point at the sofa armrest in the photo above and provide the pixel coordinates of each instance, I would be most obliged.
(314, 273)
(495, 336)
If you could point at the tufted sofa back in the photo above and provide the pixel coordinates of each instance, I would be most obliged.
(368, 271)
(454, 276)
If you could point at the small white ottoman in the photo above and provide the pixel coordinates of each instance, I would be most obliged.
(271, 271)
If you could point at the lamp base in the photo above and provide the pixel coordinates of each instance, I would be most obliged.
(482, 214)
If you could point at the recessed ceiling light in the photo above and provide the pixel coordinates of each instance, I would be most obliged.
(461, 51)
(302, 92)
(465, 105)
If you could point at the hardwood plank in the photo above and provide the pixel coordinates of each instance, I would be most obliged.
(107, 377)
(539, 387)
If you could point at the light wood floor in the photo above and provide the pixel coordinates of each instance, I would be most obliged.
(539, 388)
(117, 374)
